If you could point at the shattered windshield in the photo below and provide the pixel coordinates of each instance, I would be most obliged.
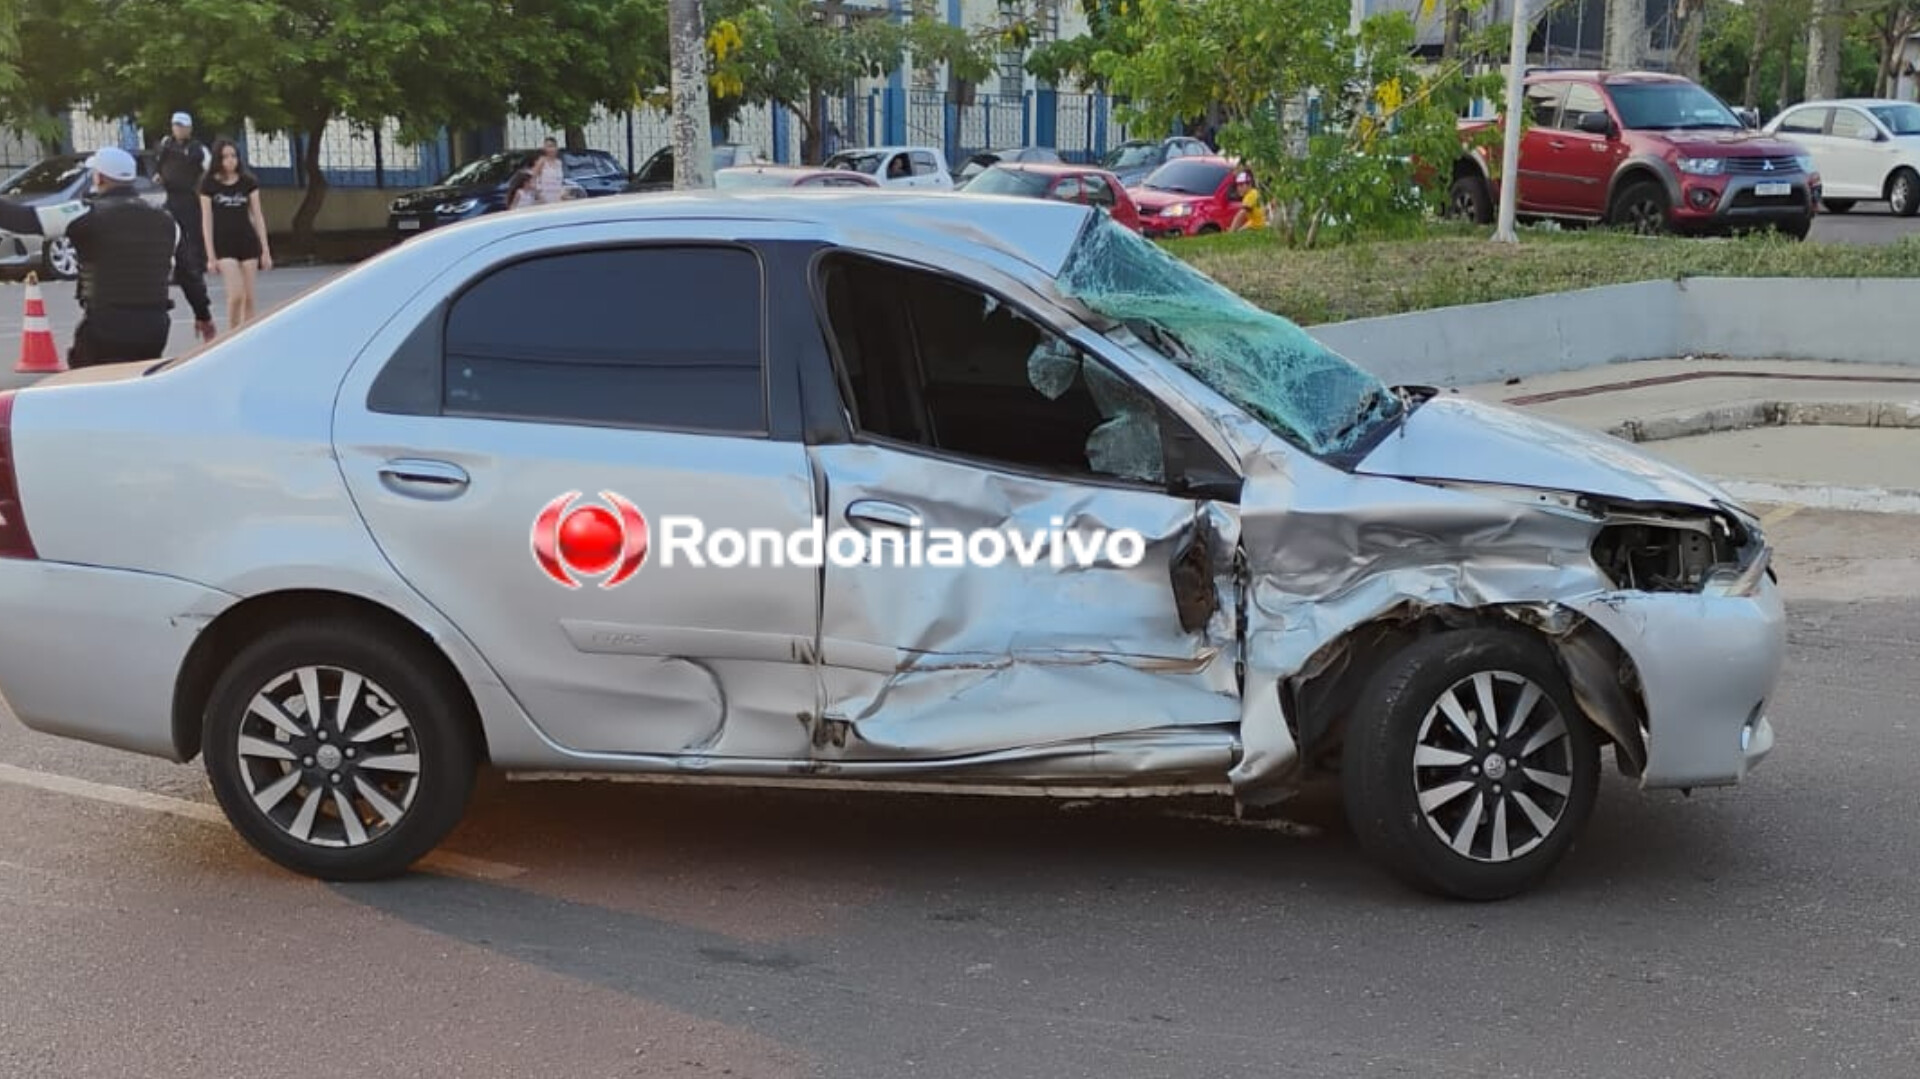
(1308, 394)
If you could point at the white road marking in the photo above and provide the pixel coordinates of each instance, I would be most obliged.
(447, 862)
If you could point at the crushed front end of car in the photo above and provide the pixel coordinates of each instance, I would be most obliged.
(1372, 517)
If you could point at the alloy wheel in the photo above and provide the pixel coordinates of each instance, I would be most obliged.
(1902, 196)
(62, 259)
(1493, 766)
(1645, 216)
(328, 757)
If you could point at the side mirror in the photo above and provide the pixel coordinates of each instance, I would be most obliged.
(1597, 123)
(1748, 117)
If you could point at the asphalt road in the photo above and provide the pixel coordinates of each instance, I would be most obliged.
(1866, 223)
(625, 930)
(271, 289)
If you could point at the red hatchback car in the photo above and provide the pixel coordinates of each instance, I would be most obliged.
(1086, 184)
(1189, 196)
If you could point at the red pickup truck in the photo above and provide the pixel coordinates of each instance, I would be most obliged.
(1651, 152)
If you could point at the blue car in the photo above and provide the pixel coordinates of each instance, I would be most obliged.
(480, 187)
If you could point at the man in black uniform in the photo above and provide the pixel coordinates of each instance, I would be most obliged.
(180, 164)
(128, 250)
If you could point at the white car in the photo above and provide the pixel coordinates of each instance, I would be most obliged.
(1865, 149)
(899, 166)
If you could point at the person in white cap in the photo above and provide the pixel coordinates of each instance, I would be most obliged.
(180, 164)
(128, 251)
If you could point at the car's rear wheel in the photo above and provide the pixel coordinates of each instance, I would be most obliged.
(1903, 192)
(339, 752)
(1838, 206)
(59, 261)
(1467, 769)
(1469, 200)
(1641, 208)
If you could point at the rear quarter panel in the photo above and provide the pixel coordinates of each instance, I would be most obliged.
(221, 471)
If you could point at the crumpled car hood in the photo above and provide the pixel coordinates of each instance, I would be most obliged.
(1456, 438)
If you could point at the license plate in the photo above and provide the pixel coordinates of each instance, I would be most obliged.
(1767, 190)
(408, 224)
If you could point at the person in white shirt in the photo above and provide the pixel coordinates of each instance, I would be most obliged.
(549, 174)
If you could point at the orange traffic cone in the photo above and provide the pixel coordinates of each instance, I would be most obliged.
(38, 356)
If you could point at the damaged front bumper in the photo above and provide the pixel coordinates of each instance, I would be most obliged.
(1707, 666)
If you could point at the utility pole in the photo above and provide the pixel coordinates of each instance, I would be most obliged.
(1510, 132)
(692, 122)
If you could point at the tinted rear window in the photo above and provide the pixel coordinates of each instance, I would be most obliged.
(644, 337)
(1009, 182)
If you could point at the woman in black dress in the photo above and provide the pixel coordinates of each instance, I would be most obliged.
(235, 230)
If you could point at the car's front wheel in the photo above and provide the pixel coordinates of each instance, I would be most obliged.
(338, 752)
(1467, 769)
(59, 261)
(1642, 208)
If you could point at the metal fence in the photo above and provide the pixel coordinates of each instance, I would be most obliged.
(1081, 127)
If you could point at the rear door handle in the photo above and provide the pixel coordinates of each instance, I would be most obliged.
(434, 481)
(1557, 144)
(884, 514)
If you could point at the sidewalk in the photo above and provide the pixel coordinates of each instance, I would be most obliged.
(1832, 435)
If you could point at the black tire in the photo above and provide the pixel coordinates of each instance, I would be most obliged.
(1903, 192)
(1468, 199)
(398, 675)
(1642, 208)
(1838, 206)
(1383, 787)
(1799, 230)
(58, 261)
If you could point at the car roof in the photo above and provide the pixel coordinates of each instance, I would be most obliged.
(1037, 232)
(1051, 168)
(1609, 78)
(1867, 102)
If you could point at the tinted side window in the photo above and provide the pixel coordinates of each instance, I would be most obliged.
(923, 164)
(1543, 102)
(1098, 192)
(1848, 124)
(658, 169)
(1805, 122)
(648, 337)
(1067, 190)
(932, 362)
(1581, 100)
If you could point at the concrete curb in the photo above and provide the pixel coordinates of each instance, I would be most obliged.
(1750, 414)
(1822, 496)
(1850, 320)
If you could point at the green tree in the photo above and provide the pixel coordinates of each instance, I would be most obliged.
(794, 53)
(1384, 118)
(565, 59)
(292, 66)
(1072, 60)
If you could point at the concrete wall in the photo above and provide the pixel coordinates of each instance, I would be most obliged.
(347, 209)
(1867, 320)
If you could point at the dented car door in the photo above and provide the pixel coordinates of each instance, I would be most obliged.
(978, 430)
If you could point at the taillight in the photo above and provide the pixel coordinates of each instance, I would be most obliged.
(15, 542)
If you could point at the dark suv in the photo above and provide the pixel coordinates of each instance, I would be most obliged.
(1647, 151)
(480, 187)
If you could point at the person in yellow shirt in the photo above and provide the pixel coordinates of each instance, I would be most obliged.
(1252, 214)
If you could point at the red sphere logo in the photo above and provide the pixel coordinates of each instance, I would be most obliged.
(590, 540)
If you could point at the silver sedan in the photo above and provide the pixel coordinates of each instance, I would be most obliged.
(857, 490)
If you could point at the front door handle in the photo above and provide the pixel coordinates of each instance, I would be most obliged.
(1557, 144)
(884, 514)
(432, 480)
